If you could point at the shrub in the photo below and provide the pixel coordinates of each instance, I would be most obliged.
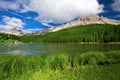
(91, 58)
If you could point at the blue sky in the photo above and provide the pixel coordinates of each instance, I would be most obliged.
(34, 15)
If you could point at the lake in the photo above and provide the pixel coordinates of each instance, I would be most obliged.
(29, 49)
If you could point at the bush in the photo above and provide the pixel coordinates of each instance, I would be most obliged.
(91, 58)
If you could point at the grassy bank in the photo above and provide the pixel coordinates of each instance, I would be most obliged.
(86, 66)
(101, 33)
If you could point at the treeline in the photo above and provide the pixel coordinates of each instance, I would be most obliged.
(102, 33)
(5, 37)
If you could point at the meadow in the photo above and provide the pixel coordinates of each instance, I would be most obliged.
(85, 66)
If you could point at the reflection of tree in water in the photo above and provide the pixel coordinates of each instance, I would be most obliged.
(79, 48)
(56, 48)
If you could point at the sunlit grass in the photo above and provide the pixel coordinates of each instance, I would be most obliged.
(86, 66)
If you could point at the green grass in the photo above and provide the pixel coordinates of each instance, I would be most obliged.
(101, 33)
(85, 66)
(109, 72)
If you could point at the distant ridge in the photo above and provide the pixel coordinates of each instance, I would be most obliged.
(91, 19)
(15, 32)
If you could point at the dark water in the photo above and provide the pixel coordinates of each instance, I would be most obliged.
(29, 49)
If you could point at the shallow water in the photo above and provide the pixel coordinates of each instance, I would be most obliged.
(28, 49)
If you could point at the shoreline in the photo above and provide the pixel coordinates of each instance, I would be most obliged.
(64, 43)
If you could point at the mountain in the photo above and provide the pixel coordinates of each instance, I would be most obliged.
(15, 32)
(91, 19)
(100, 33)
(43, 31)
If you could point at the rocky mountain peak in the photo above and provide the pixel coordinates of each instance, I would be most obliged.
(15, 31)
(90, 19)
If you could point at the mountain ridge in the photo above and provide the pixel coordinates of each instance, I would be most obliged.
(91, 19)
(15, 31)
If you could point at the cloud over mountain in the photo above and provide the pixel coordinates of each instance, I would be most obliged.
(10, 23)
(60, 11)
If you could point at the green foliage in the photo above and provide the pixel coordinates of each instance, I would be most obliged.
(102, 33)
(109, 72)
(112, 57)
(92, 58)
(8, 38)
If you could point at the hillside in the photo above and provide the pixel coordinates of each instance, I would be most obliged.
(86, 33)
(90, 19)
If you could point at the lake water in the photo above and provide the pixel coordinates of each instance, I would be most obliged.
(28, 49)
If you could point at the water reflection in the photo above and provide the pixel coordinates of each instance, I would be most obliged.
(28, 49)
(16, 52)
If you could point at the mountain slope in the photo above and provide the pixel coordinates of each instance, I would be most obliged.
(91, 19)
(85, 33)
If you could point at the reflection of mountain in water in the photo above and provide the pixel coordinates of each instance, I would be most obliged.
(22, 52)
(16, 52)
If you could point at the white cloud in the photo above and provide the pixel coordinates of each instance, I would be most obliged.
(10, 23)
(4, 4)
(116, 5)
(31, 30)
(34, 29)
(60, 11)
(13, 22)
(55, 11)
(3, 28)
(48, 25)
